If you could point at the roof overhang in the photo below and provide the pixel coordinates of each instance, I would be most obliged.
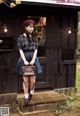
(57, 3)
(74, 4)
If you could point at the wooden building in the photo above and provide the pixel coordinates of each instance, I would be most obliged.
(56, 27)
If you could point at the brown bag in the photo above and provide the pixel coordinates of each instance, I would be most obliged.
(29, 70)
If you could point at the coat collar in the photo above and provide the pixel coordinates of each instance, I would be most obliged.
(25, 34)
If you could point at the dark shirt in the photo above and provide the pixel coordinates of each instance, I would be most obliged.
(24, 44)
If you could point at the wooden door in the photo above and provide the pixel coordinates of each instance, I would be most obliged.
(41, 28)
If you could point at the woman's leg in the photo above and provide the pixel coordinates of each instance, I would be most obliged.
(32, 86)
(25, 86)
(32, 82)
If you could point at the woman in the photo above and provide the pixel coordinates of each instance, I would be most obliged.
(28, 48)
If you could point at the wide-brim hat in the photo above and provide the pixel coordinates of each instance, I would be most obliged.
(28, 22)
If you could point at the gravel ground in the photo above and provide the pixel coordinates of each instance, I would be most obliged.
(50, 114)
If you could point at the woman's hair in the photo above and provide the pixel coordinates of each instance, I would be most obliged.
(30, 36)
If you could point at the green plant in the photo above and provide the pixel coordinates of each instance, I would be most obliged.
(14, 105)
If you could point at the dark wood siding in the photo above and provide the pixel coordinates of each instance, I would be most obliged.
(61, 49)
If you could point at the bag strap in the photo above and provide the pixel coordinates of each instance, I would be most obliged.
(27, 85)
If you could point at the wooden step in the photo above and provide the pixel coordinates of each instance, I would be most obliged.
(41, 101)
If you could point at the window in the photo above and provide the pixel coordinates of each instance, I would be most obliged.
(6, 43)
(40, 29)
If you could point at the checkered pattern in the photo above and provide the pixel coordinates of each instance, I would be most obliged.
(24, 44)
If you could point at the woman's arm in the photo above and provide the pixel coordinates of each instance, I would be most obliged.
(34, 57)
(23, 57)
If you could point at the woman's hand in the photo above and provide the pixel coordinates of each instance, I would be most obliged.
(26, 63)
(34, 57)
(32, 62)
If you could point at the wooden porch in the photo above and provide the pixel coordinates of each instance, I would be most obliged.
(41, 102)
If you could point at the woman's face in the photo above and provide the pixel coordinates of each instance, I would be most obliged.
(30, 28)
